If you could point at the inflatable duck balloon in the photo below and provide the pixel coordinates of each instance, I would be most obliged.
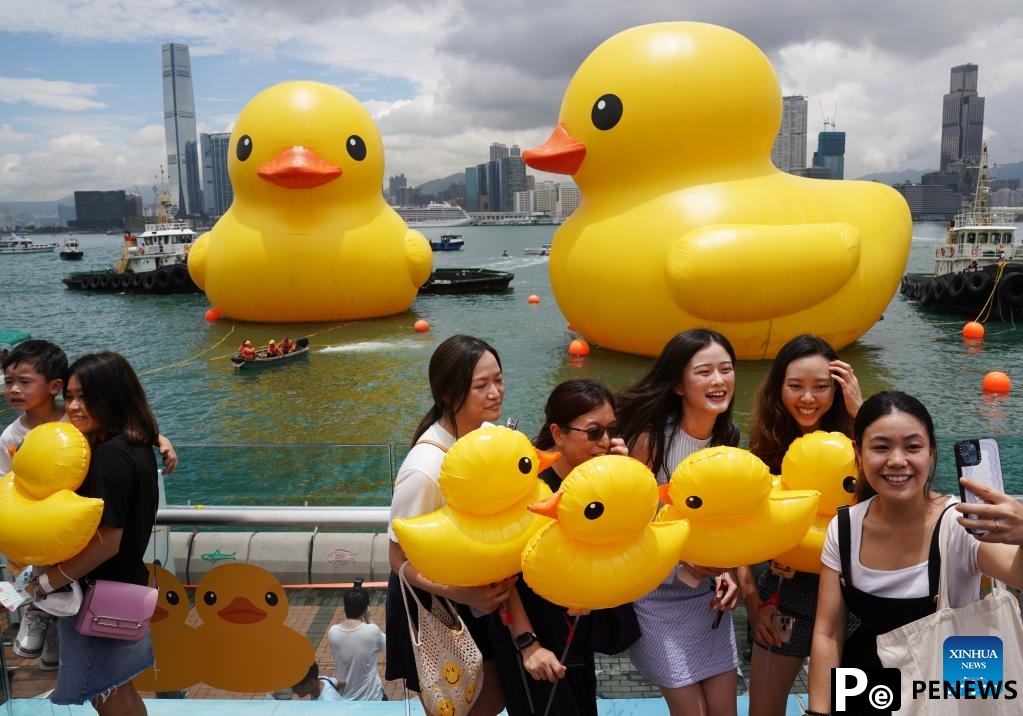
(685, 222)
(488, 478)
(825, 462)
(309, 236)
(243, 608)
(735, 515)
(175, 644)
(42, 520)
(603, 549)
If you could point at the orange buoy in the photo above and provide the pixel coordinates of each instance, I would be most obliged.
(578, 347)
(973, 330)
(997, 382)
(421, 326)
(213, 314)
(533, 298)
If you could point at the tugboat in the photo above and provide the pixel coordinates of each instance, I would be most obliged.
(979, 269)
(71, 250)
(156, 261)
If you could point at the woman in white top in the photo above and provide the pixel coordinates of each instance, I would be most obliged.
(468, 388)
(684, 404)
(884, 548)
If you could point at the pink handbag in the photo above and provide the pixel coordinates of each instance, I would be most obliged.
(116, 610)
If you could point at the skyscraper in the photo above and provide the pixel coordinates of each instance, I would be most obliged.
(789, 151)
(216, 183)
(831, 153)
(472, 190)
(962, 120)
(179, 128)
(498, 151)
(513, 180)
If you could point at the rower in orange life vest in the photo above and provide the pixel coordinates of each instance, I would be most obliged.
(247, 351)
(287, 346)
(272, 350)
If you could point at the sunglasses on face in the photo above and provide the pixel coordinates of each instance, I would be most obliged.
(596, 433)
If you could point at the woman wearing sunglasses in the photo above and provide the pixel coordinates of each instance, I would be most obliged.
(580, 424)
(684, 404)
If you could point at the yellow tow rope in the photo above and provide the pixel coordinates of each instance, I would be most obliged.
(985, 311)
(193, 358)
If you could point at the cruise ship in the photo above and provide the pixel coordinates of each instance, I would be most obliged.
(435, 214)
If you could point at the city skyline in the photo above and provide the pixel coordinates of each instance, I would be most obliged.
(82, 108)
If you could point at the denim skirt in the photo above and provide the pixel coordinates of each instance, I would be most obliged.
(91, 666)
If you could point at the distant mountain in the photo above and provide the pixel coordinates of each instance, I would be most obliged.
(37, 208)
(1013, 170)
(435, 186)
(899, 177)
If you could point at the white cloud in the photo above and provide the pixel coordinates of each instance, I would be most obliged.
(52, 94)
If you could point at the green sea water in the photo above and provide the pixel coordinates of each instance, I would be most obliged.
(330, 428)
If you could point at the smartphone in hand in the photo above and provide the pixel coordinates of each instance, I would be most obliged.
(978, 460)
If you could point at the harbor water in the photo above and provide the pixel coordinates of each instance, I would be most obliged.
(329, 428)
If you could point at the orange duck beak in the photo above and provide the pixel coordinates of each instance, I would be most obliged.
(561, 153)
(159, 614)
(546, 458)
(241, 611)
(548, 507)
(663, 492)
(299, 168)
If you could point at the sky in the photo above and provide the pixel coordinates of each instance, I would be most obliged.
(81, 95)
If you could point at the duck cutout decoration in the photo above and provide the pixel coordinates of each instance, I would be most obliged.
(603, 549)
(667, 129)
(243, 608)
(175, 643)
(734, 513)
(42, 520)
(488, 478)
(825, 462)
(308, 236)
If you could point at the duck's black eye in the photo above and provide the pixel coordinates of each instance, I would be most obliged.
(607, 111)
(244, 148)
(356, 147)
(172, 597)
(210, 598)
(849, 484)
(693, 502)
(525, 466)
(594, 510)
(271, 599)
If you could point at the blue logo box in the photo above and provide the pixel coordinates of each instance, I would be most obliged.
(972, 658)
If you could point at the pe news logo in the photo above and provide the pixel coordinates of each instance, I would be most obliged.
(865, 690)
(972, 658)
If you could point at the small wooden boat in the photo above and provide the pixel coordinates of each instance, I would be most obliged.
(448, 242)
(262, 360)
(467, 280)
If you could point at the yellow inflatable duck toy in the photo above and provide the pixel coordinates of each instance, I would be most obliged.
(685, 222)
(734, 513)
(42, 520)
(825, 462)
(175, 644)
(309, 236)
(243, 608)
(488, 478)
(603, 549)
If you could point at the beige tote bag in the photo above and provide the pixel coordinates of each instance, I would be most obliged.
(917, 648)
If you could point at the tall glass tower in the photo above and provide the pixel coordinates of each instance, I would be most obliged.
(962, 119)
(179, 129)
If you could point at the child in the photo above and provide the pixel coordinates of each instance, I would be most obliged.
(356, 643)
(318, 688)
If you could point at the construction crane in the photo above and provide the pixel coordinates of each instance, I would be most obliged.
(829, 122)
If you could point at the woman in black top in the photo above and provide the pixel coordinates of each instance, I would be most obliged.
(580, 424)
(104, 399)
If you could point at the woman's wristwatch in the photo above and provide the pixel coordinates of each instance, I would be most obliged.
(524, 640)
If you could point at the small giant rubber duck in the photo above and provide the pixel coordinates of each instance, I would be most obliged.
(488, 478)
(42, 520)
(825, 462)
(243, 608)
(685, 222)
(735, 514)
(309, 236)
(175, 643)
(602, 550)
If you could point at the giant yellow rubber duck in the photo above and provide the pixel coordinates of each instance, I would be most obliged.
(685, 222)
(176, 645)
(603, 549)
(734, 512)
(309, 236)
(42, 520)
(244, 644)
(825, 462)
(488, 478)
